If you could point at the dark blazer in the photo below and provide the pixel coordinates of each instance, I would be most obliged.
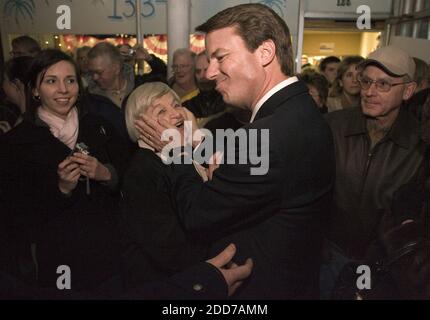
(155, 244)
(80, 231)
(200, 282)
(275, 218)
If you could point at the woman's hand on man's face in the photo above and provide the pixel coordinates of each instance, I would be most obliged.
(151, 129)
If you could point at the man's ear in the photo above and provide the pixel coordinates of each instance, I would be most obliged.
(409, 90)
(267, 52)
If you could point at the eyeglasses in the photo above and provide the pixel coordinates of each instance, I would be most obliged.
(181, 67)
(381, 85)
(97, 72)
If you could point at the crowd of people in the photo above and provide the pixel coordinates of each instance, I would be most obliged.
(85, 183)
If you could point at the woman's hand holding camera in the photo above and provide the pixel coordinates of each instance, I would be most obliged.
(90, 167)
(68, 173)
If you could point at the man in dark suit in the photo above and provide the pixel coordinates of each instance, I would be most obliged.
(274, 213)
(216, 278)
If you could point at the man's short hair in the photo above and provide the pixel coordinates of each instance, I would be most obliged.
(30, 45)
(326, 61)
(106, 49)
(256, 23)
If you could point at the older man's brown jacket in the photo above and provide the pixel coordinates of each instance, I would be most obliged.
(367, 178)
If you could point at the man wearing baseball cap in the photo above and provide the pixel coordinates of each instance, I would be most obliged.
(378, 149)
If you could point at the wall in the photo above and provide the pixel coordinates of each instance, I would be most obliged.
(330, 8)
(369, 43)
(116, 16)
(416, 47)
(347, 43)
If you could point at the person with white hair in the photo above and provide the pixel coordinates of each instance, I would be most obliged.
(183, 81)
(157, 245)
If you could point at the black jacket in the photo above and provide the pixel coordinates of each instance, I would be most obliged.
(42, 229)
(156, 245)
(199, 282)
(206, 103)
(275, 218)
(367, 179)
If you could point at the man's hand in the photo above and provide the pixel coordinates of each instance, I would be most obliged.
(90, 167)
(68, 174)
(233, 273)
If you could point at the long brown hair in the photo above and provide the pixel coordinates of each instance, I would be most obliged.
(337, 90)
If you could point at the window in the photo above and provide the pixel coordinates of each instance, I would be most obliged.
(406, 29)
(422, 29)
(408, 7)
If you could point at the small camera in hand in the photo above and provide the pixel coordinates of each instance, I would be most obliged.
(81, 148)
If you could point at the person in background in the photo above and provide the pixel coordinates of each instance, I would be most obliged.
(328, 68)
(14, 79)
(24, 46)
(318, 88)
(183, 81)
(378, 149)
(110, 78)
(416, 104)
(208, 104)
(158, 67)
(82, 62)
(345, 91)
(400, 256)
(127, 54)
(59, 183)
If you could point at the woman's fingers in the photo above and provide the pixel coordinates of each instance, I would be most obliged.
(64, 163)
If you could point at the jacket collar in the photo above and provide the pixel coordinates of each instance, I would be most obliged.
(287, 93)
(405, 131)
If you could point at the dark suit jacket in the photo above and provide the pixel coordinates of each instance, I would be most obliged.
(276, 218)
(200, 282)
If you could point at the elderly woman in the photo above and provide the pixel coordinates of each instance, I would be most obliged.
(59, 172)
(157, 245)
(345, 92)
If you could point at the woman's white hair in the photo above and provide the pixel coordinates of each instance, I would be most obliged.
(140, 100)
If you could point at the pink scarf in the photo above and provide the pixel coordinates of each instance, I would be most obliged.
(64, 130)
